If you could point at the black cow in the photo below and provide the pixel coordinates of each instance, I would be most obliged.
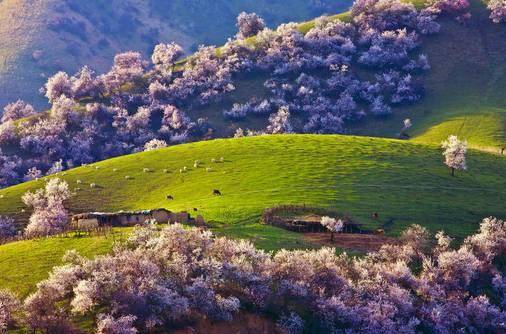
(170, 197)
(216, 192)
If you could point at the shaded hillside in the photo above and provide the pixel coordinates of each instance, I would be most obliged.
(38, 38)
(404, 183)
(466, 87)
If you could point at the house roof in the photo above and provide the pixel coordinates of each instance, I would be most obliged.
(116, 214)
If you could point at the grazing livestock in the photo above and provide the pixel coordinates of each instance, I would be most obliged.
(170, 197)
(216, 192)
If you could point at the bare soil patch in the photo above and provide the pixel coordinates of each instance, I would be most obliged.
(356, 242)
(243, 323)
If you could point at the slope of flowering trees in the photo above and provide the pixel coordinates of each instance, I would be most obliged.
(165, 279)
(313, 87)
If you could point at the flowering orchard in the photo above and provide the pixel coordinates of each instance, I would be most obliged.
(313, 85)
(161, 279)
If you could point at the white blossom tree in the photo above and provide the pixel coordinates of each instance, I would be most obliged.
(333, 225)
(165, 55)
(9, 305)
(58, 85)
(49, 215)
(249, 25)
(155, 144)
(454, 151)
(497, 10)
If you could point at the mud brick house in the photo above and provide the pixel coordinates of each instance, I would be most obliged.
(132, 218)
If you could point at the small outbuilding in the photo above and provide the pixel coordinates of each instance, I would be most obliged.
(130, 218)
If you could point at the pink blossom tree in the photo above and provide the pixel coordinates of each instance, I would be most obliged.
(9, 307)
(17, 110)
(165, 55)
(497, 10)
(58, 85)
(249, 25)
(49, 215)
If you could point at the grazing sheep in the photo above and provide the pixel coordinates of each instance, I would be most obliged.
(165, 170)
(185, 168)
(196, 164)
(114, 169)
(170, 197)
(146, 170)
(93, 185)
(213, 160)
(128, 177)
(77, 189)
(209, 169)
(216, 192)
(79, 181)
(222, 159)
(97, 167)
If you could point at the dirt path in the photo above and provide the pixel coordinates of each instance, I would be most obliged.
(357, 242)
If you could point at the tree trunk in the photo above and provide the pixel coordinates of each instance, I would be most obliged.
(332, 236)
(453, 171)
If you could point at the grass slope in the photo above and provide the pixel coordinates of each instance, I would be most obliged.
(465, 89)
(404, 182)
(25, 263)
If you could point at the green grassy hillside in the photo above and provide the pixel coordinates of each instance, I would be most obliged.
(404, 182)
(465, 89)
(25, 263)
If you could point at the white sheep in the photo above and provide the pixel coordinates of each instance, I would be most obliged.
(128, 177)
(209, 169)
(196, 164)
(222, 159)
(93, 185)
(213, 160)
(114, 169)
(97, 167)
(146, 170)
(165, 170)
(79, 181)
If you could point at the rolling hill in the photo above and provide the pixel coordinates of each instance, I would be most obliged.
(404, 182)
(38, 38)
(465, 88)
